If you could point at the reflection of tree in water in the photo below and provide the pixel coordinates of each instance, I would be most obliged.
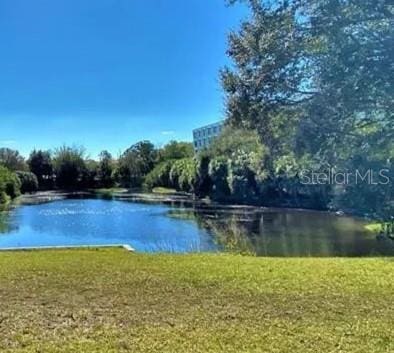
(231, 236)
(287, 233)
(228, 233)
(5, 226)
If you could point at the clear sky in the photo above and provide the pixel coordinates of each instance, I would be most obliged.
(108, 73)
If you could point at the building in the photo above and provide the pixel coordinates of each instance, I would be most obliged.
(203, 136)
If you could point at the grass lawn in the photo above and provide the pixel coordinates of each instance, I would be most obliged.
(374, 227)
(110, 300)
(113, 190)
(163, 191)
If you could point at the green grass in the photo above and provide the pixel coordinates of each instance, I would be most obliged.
(374, 227)
(110, 300)
(163, 191)
(109, 190)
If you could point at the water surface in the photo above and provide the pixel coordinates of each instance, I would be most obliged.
(101, 222)
(188, 227)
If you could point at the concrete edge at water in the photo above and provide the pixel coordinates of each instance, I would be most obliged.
(68, 247)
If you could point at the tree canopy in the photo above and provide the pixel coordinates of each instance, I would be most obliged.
(12, 160)
(316, 80)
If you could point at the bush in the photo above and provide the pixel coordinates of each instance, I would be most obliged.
(28, 181)
(218, 171)
(183, 174)
(236, 166)
(160, 175)
(180, 174)
(9, 185)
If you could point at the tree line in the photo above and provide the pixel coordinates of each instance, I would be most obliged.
(70, 168)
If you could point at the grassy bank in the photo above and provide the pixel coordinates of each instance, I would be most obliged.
(374, 227)
(114, 301)
(164, 191)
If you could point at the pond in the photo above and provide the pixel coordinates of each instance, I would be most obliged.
(180, 227)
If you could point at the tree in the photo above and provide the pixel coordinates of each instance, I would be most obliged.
(106, 169)
(167, 161)
(160, 175)
(218, 172)
(135, 163)
(315, 79)
(183, 174)
(328, 60)
(235, 166)
(89, 174)
(12, 160)
(28, 181)
(176, 150)
(9, 185)
(69, 166)
(40, 163)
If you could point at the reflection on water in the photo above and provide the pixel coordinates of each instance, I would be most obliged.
(279, 232)
(6, 226)
(189, 228)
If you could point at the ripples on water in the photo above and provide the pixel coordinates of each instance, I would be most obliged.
(161, 228)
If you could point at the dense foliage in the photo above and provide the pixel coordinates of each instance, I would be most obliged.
(106, 170)
(12, 160)
(9, 185)
(135, 163)
(41, 164)
(69, 166)
(315, 80)
(28, 181)
(235, 166)
(175, 150)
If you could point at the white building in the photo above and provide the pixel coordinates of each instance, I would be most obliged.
(203, 136)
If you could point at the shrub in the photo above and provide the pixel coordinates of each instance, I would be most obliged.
(183, 174)
(28, 181)
(9, 185)
(218, 171)
(160, 175)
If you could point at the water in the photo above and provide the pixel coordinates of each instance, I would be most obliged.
(289, 233)
(101, 222)
(151, 227)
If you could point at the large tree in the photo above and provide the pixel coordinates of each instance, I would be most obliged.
(12, 160)
(41, 164)
(69, 166)
(330, 58)
(175, 150)
(316, 78)
(135, 163)
(106, 169)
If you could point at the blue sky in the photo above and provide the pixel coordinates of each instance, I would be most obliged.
(107, 73)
